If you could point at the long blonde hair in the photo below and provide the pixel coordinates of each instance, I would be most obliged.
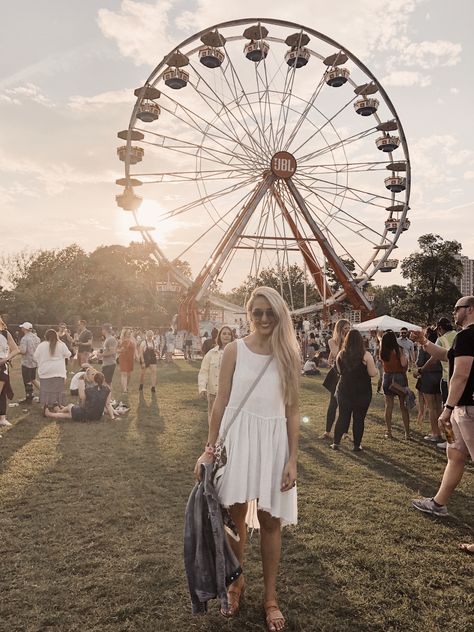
(284, 345)
(337, 334)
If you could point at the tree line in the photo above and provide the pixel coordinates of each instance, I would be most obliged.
(119, 284)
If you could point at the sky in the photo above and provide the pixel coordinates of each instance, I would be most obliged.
(68, 71)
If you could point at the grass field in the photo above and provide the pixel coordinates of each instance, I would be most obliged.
(91, 520)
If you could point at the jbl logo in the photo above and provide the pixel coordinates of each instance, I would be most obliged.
(283, 164)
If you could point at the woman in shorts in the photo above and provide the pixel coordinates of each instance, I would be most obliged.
(395, 365)
(147, 357)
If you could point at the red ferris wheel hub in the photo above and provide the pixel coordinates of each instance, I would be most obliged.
(283, 165)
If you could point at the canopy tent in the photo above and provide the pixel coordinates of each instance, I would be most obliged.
(382, 323)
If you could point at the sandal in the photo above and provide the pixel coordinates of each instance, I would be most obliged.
(234, 595)
(273, 615)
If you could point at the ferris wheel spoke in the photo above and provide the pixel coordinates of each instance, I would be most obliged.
(341, 143)
(327, 185)
(241, 94)
(190, 176)
(285, 108)
(345, 221)
(176, 144)
(303, 115)
(231, 117)
(191, 119)
(211, 196)
(342, 167)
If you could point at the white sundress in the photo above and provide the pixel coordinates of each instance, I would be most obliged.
(257, 442)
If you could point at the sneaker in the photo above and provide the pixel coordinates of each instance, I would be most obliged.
(442, 445)
(432, 439)
(36, 400)
(4, 422)
(25, 400)
(427, 505)
(334, 446)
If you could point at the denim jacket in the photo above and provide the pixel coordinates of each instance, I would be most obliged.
(208, 558)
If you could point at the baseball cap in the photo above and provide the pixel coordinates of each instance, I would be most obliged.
(26, 325)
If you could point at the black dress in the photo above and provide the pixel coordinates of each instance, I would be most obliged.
(354, 394)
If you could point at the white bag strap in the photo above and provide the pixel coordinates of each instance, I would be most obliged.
(249, 392)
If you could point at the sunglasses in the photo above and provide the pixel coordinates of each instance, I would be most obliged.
(258, 314)
(458, 307)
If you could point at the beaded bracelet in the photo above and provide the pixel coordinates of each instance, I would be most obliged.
(209, 449)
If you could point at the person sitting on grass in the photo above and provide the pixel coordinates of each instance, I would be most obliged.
(97, 399)
(78, 381)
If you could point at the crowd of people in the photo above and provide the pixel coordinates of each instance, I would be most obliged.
(249, 376)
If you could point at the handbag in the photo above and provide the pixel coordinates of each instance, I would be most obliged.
(220, 455)
(331, 379)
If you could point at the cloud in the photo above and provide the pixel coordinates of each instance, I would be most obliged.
(469, 175)
(24, 93)
(406, 78)
(53, 177)
(139, 29)
(145, 32)
(427, 54)
(104, 99)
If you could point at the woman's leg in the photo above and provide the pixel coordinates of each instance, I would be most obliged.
(142, 377)
(405, 415)
(123, 381)
(358, 423)
(388, 413)
(153, 376)
(434, 408)
(421, 408)
(331, 414)
(270, 547)
(3, 401)
(343, 420)
(65, 412)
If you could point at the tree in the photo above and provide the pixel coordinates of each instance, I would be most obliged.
(289, 282)
(114, 283)
(388, 299)
(432, 275)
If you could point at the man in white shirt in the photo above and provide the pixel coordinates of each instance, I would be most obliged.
(407, 345)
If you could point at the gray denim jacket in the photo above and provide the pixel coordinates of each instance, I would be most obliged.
(208, 558)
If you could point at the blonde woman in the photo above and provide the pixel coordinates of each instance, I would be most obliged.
(126, 357)
(262, 443)
(8, 350)
(341, 329)
(208, 378)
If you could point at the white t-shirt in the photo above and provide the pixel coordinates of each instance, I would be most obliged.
(306, 326)
(76, 378)
(51, 365)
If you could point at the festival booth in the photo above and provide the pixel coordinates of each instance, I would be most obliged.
(382, 323)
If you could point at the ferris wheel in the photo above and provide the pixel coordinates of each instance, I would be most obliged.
(263, 143)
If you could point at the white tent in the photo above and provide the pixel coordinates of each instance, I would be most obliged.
(382, 323)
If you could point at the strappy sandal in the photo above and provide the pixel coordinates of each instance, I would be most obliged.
(272, 615)
(234, 595)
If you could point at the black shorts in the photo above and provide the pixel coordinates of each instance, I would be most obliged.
(78, 413)
(28, 374)
(108, 371)
(74, 392)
